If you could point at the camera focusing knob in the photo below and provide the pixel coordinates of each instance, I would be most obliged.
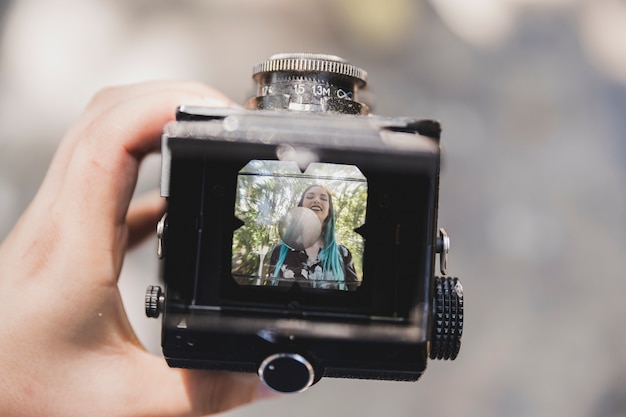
(308, 82)
(154, 301)
(287, 372)
(447, 328)
(311, 63)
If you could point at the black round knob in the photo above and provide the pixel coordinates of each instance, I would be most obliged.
(447, 327)
(287, 372)
(154, 301)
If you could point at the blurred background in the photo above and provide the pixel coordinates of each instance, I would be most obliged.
(532, 97)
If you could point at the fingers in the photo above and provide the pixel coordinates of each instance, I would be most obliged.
(104, 162)
(81, 206)
(87, 190)
(107, 99)
(143, 216)
(73, 237)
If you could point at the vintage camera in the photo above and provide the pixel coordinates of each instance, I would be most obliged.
(301, 236)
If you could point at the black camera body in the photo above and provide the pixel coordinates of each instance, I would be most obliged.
(231, 176)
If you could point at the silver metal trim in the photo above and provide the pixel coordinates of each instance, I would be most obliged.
(160, 232)
(296, 357)
(166, 162)
(308, 62)
(444, 242)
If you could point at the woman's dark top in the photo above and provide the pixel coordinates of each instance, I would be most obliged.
(310, 274)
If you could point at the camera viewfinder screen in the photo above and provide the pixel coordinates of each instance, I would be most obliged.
(298, 227)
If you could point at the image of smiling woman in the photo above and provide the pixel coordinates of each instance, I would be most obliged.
(325, 264)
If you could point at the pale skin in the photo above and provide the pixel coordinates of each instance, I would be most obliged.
(67, 348)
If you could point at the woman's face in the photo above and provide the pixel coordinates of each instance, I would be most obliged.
(317, 199)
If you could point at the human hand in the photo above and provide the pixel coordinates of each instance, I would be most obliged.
(66, 346)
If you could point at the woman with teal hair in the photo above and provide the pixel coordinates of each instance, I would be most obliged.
(324, 264)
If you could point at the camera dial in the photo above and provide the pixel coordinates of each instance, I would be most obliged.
(308, 82)
(286, 372)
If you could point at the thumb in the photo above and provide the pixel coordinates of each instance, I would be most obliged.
(186, 393)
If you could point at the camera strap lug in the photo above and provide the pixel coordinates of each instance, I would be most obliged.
(443, 247)
(160, 232)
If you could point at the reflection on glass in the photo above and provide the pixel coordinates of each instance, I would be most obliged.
(299, 227)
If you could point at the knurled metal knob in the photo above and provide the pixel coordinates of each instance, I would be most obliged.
(303, 62)
(306, 82)
(154, 301)
(447, 327)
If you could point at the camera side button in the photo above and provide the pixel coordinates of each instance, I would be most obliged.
(287, 372)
